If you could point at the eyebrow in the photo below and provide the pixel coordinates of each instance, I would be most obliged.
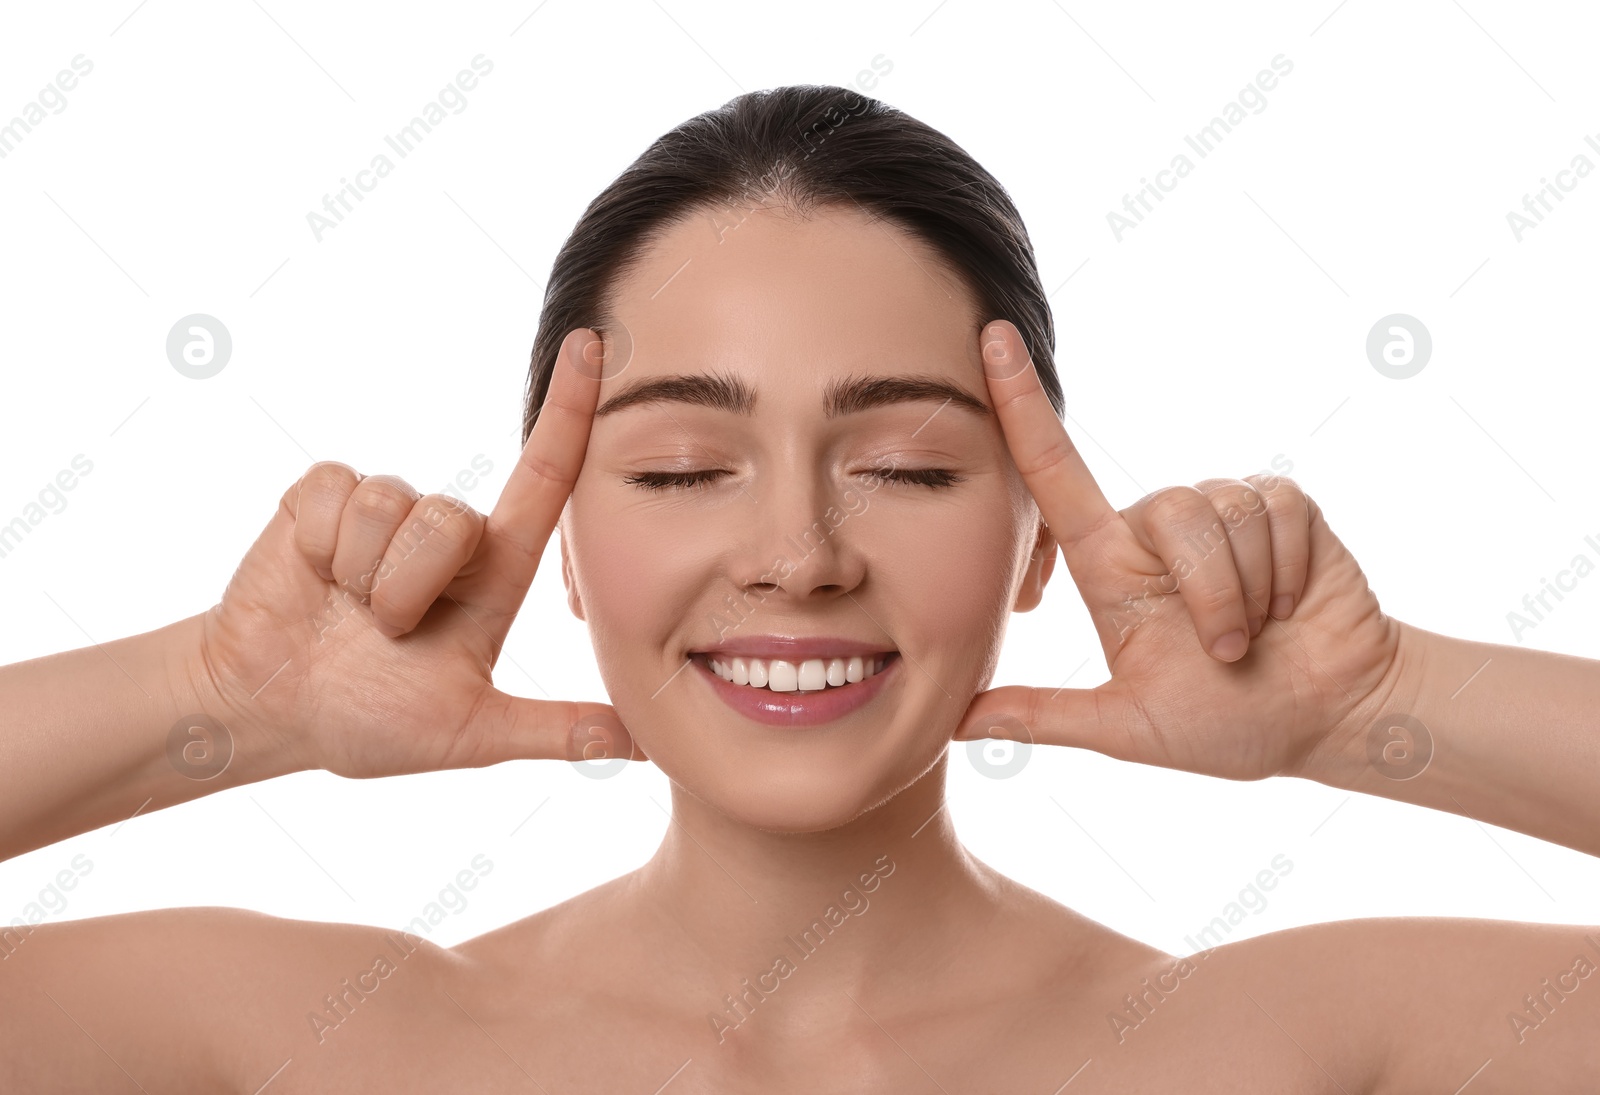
(847, 395)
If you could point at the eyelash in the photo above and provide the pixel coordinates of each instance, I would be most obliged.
(936, 478)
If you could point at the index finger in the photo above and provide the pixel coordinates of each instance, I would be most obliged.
(531, 502)
(1068, 496)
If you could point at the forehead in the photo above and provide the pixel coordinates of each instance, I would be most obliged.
(832, 291)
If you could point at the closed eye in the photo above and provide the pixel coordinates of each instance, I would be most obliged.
(674, 480)
(701, 480)
(927, 477)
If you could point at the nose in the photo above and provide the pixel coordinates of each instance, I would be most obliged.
(798, 540)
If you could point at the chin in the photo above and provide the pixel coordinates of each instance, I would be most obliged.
(793, 805)
(799, 793)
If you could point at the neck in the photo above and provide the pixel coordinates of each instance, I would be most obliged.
(773, 929)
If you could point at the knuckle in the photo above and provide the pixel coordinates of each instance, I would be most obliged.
(1238, 502)
(1274, 486)
(1287, 575)
(326, 479)
(1233, 499)
(544, 470)
(449, 516)
(331, 470)
(378, 500)
(409, 535)
(1178, 504)
(1214, 598)
(447, 523)
(1053, 455)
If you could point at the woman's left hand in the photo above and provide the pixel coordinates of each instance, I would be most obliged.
(1175, 583)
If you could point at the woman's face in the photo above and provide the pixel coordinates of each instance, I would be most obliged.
(792, 534)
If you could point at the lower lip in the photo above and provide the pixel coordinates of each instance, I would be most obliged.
(796, 708)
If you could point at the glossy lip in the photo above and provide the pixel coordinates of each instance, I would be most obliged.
(796, 709)
(793, 650)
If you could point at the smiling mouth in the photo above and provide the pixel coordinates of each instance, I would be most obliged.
(810, 675)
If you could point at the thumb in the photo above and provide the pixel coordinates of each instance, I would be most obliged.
(1098, 718)
(506, 727)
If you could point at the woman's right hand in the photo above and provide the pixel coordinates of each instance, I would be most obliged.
(359, 633)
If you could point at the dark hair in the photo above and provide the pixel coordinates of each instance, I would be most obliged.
(805, 146)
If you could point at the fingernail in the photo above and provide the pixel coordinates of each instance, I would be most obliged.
(1281, 604)
(1231, 646)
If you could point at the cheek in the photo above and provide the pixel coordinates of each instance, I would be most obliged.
(947, 574)
(637, 569)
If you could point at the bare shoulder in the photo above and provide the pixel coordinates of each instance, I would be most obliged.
(586, 930)
(188, 999)
(1410, 1003)
(1372, 1006)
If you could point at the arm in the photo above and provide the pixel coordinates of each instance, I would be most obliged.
(358, 635)
(1244, 642)
(1375, 1006)
(1509, 737)
(97, 735)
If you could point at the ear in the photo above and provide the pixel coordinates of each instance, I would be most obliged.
(574, 602)
(1042, 562)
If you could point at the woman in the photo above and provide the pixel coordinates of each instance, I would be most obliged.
(793, 410)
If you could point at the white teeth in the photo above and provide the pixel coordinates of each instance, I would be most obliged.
(782, 676)
(811, 675)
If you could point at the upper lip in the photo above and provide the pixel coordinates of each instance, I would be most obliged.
(795, 649)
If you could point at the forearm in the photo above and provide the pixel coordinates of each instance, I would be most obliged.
(1512, 738)
(89, 738)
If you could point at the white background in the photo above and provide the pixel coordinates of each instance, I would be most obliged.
(1227, 329)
